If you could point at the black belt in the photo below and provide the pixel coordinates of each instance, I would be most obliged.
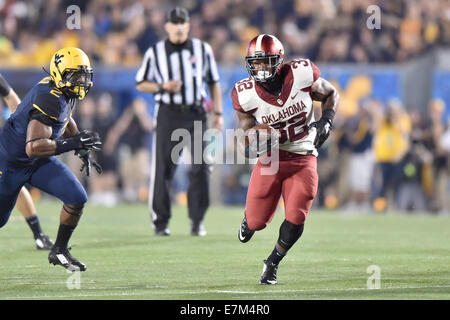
(183, 107)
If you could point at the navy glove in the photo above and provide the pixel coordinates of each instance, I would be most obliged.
(88, 162)
(84, 140)
(89, 140)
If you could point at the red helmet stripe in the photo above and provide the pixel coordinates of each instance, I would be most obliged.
(265, 43)
(268, 43)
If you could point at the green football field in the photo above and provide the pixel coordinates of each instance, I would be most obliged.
(410, 253)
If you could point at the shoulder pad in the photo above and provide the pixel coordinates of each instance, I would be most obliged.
(304, 71)
(242, 94)
(49, 104)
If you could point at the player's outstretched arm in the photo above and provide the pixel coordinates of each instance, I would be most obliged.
(12, 100)
(39, 143)
(324, 91)
(246, 121)
(10, 96)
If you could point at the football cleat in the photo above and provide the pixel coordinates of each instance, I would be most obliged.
(198, 230)
(245, 234)
(63, 258)
(162, 232)
(43, 242)
(269, 273)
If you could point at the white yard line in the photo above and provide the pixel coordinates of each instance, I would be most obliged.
(329, 289)
(263, 292)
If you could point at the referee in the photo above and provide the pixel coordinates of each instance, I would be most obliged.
(175, 71)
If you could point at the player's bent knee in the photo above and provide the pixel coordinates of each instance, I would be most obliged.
(74, 209)
(76, 198)
(289, 234)
(256, 224)
(297, 219)
(82, 197)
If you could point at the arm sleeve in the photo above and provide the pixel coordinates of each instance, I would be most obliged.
(49, 107)
(211, 72)
(146, 71)
(4, 87)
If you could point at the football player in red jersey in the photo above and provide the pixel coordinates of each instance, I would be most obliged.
(281, 95)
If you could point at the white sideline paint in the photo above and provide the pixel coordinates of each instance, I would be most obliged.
(262, 292)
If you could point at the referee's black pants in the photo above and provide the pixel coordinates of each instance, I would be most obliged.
(168, 119)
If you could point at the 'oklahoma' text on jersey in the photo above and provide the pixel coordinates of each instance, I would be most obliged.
(291, 112)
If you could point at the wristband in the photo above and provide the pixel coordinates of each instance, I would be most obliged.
(64, 145)
(328, 115)
(217, 113)
(160, 88)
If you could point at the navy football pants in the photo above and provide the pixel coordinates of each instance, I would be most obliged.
(47, 174)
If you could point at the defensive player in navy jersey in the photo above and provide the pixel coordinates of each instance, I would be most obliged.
(24, 202)
(41, 128)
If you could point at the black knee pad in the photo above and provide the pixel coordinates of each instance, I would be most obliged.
(74, 209)
(289, 234)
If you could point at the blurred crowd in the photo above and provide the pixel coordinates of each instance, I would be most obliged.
(384, 158)
(117, 32)
(379, 158)
(125, 157)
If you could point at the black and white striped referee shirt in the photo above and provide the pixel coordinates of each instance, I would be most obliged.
(191, 62)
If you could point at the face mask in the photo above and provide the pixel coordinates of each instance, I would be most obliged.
(79, 83)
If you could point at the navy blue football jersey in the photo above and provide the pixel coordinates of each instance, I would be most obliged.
(43, 102)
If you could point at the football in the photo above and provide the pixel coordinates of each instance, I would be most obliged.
(261, 132)
(262, 127)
